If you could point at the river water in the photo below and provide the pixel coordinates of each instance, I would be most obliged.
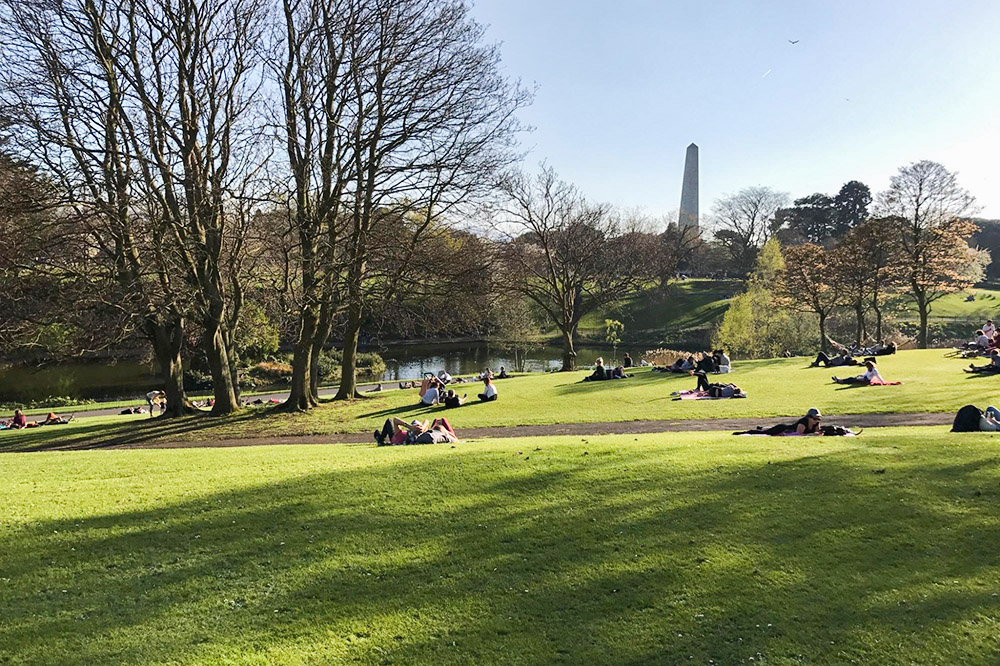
(129, 379)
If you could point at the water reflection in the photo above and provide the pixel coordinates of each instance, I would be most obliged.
(130, 379)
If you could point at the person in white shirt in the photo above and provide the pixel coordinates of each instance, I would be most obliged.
(489, 392)
(989, 329)
(432, 395)
(982, 341)
(871, 376)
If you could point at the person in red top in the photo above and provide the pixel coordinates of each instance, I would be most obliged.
(19, 421)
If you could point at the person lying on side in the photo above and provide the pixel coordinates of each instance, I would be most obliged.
(871, 376)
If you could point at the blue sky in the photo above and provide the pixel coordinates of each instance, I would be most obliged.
(624, 87)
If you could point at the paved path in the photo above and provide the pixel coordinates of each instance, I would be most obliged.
(583, 429)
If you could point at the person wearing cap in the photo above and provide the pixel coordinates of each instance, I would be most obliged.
(809, 424)
(395, 431)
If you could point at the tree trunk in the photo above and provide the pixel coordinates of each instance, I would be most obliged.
(822, 332)
(300, 395)
(348, 364)
(922, 307)
(569, 351)
(167, 340)
(859, 311)
(223, 389)
(878, 320)
(323, 330)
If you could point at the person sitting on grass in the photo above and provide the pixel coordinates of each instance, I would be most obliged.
(871, 376)
(489, 391)
(600, 372)
(451, 399)
(503, 373)
(627, 361)
(19, 421)
(431, 395)
(971, 419)
(992, 366)
(842, 358)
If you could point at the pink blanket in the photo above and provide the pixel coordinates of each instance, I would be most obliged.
(883, 383)
(695, 394)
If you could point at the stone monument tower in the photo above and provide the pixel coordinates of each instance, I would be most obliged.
(688, 216)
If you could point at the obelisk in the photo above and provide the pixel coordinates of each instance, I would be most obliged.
(688, 216)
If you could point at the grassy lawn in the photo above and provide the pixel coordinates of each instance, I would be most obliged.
(695, 548)
(688, 304)
(776, 387)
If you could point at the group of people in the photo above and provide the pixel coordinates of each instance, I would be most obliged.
(432, 392)
(602, 372)
(19, 421)
(717, 362)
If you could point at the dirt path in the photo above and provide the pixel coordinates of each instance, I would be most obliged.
(583, 429)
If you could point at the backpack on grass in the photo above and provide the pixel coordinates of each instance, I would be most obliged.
(967, 419)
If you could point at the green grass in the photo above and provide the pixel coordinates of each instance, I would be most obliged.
(776, 387)
(689, 548)
(688, 304)
(954, 306)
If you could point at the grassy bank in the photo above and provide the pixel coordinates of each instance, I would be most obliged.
(697, 548)
(776, 388)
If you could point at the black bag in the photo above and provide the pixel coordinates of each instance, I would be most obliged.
(834, 431)
(967, 419)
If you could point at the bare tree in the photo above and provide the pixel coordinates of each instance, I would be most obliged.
(314, 72)
(430, 119)
(928, 207)
(745, 221)
(67, 105)
(566, 255)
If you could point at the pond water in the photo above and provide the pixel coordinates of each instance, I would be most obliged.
(130, 379)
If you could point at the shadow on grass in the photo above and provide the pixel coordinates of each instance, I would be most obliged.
(130, 433)
(478, 557)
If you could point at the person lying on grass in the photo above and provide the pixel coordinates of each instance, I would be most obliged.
(842, 358)
(971, 419)
(992, 366)
(396, 431)
(810, 424)
(870, 377)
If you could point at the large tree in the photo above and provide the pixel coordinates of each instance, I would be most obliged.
(810, 284)
(850, 206)
(429, 121)
(812, 217)
(928, 208)
(567, 255)
(745, 221)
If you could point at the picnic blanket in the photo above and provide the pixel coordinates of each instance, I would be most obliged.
(883, 383)
(695, 394)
